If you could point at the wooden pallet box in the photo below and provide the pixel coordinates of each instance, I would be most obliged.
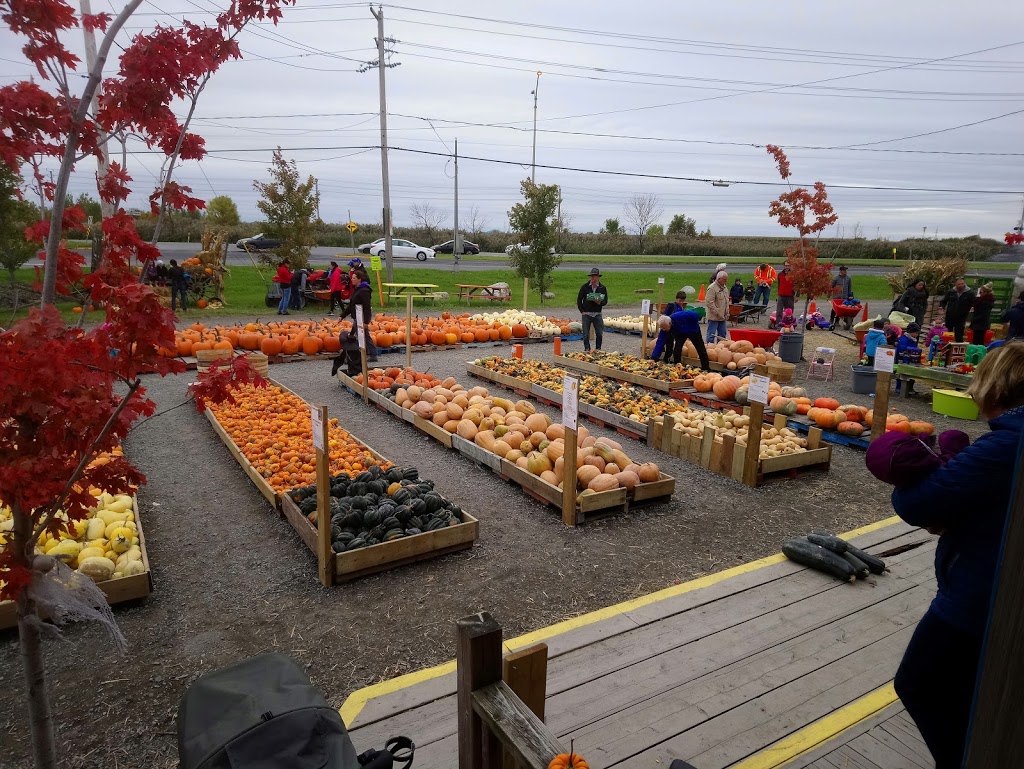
(640, 380)
(116, 590)
(386, 555)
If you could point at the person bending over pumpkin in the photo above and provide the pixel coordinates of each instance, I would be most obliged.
(678, 328)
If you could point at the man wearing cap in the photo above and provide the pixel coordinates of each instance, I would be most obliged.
(591, 298)
(842, 288)
(716, 307)
(957, 303)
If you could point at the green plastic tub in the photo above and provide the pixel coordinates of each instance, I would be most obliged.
(952, 403)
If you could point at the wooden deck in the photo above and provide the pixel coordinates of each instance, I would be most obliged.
(761, 665)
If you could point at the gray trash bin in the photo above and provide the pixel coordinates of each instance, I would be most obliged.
(790, 347)
(864, 379)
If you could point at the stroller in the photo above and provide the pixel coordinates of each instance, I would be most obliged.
(817, 320)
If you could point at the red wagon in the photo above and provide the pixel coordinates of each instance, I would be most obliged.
(846, 312)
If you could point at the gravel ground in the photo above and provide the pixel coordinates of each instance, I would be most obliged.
(232, 578)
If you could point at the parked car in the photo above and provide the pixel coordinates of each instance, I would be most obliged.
(258, 243)
(403, 249)
(449, 245)
(367, 248)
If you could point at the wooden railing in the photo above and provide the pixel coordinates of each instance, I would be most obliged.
(501, 702)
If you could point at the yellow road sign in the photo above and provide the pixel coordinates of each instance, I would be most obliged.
(351, 226)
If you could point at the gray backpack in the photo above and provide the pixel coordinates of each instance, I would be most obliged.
(263, 713)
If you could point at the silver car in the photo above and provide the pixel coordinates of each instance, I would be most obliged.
(402, 249)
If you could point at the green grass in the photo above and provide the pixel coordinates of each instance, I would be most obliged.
(895, 264)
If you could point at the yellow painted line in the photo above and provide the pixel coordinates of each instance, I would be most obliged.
(821, 731)
(356, 701)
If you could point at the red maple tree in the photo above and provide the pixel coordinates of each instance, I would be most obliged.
(68, 394)
(809, 213)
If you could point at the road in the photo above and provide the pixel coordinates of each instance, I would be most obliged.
(322, 255)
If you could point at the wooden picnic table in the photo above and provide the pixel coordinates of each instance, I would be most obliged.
(469, 291)
(416, 290)
(931, 375)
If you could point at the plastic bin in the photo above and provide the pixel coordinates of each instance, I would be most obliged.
(790, 347)
(864, 379)
(952, 403)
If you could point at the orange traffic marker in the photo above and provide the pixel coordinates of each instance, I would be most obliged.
(865, 317)
(813, 308)
(700, 296)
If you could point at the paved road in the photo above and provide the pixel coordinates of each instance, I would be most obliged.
(323, 255)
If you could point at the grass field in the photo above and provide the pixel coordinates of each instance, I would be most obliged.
(895, 264)
(245, 290)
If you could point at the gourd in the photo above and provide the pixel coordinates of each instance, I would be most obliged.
(725, 388)
(603, 482)
(121, 540)
(782, 405)
(538, 463)
(501, 448)
(555, 431)
(537, 423)
(95, 528)
(585, 474)
(853, 429)
(818, 558)
(467, 429)
(649, 472)
(627, 479)
(484, 439)
(423, 409)
(97, 568)
(742, 395)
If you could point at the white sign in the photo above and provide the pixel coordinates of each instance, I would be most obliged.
(661, 281)
(645, 307)
(570, 401)
(885, 359)
(360, 329)
(758, 388)
(318, 428)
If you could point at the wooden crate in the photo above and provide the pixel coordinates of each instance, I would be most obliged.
(386, 555)
(116, 590)
(727, 458)
(648, 383)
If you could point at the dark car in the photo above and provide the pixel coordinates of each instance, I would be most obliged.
(258, 243)
(449, 245)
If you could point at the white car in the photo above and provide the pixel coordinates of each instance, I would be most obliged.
(402, 249)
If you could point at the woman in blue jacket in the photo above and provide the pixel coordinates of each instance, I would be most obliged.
(965, 501)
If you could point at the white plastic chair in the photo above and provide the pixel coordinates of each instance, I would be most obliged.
(825, 370)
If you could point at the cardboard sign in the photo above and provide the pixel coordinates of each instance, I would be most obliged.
(318, 427)
(645, 307)
(570, 401)
(885, 359)
(360, 330)
(375, 263)
(758, 388)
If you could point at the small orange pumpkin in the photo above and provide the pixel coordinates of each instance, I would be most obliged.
(520, 331)
(568, 761)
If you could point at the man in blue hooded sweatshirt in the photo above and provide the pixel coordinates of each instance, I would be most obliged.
(675, 329)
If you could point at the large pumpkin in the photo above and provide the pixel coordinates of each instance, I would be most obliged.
(853, 429)
(921, 428)
(702, 384)
(725, 388)
(782, 405)
(826, 403)
(742, 395)
(520, 331)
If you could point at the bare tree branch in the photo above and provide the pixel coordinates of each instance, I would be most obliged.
(642, 211)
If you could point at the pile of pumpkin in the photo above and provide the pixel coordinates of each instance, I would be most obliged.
(630, 401)
(631, 364)
(273, 429)
(384, 378)
(775, 442)
(729, 387)
(733, 355)
(103, 545)
(518, 433)
(530, 321)
(629, 323)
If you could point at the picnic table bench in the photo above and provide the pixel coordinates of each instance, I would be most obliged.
(468, 291)
(415, 290)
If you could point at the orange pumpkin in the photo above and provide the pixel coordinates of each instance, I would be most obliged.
(201, 304)
(271, 345)
(481, 335)
(921, 428)
(311, 345)
(451, 338)
(469, 336)
(504, 333)
(520, 331)
(437, 337)
(568, 761)
(853, 429)
(702, 384)
(826, 403)
(290, 346)
(725, 388)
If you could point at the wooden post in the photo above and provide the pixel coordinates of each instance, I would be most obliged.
(750, 456)
(997, 731)
(881, 410)
(324, 553)
(408, 331)
(643, 338)
(569, 478)
(478, 664)
(526, 672)
(526, 291)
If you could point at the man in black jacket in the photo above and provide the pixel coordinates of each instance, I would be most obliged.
(179, 287)
(592, 297)
(957, 304)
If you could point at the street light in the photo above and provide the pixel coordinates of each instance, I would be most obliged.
(720, 183)
(536, 88)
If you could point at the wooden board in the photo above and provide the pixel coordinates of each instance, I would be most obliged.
(116, 590)
(648, 383)
(386, 555)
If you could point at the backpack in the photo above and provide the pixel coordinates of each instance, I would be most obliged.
(263, 713)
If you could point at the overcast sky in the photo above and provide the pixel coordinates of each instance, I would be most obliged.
(702, 80)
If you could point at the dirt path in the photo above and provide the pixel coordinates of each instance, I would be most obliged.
(232, 578)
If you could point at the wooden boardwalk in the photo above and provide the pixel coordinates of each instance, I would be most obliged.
(750, 669)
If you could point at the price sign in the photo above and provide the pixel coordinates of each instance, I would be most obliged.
(758, 389)
(645, 307)
(360, 330)
(318, 428)
(375, 263)
(885, 359)
(570, 401)
(661, 281)
(351, 226)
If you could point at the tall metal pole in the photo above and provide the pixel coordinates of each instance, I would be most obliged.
(389, 264)
(533, 163)
(456, 251)
(351, 235)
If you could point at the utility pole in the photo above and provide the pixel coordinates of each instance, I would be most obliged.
(351, 235)
(381, 66)
(103, 162)
(533, 163)
(559, 215)
(317, 183)
(456, 251)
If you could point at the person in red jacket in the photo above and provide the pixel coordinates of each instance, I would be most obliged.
(339, 285)
(785, 300)
(284, 279)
